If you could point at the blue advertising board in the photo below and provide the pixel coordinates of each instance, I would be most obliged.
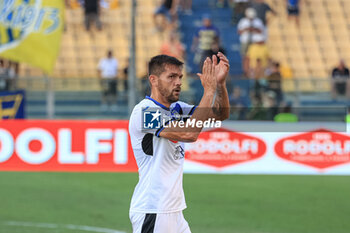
(12, 104)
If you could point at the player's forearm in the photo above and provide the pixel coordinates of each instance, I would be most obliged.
(190, 133)
(221, 107)
(203, 109)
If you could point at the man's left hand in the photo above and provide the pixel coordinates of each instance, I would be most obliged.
(221, 69)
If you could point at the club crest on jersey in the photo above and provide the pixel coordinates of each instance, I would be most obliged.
(151, 119)
(175, 115)
(179, 153)
(176, 112)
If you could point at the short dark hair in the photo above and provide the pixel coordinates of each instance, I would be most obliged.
(110, 52)
(156, 66)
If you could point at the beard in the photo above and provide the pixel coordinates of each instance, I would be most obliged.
(169, 95)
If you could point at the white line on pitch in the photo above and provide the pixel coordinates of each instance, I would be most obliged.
(67, 226)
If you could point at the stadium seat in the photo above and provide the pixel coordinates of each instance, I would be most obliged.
(322, 38)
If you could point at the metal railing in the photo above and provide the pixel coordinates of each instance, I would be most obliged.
(53, 94)
(92, 84)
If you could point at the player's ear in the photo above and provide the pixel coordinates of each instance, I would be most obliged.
(153, 79)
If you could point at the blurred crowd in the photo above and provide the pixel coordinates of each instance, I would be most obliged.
(8, 74)
(251, 18)
(263, 73)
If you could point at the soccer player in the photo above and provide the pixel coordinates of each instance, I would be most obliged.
(158, 198)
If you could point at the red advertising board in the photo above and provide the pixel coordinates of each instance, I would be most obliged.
(319, 149)
(65, 146)
(104, 146)
(221, 147)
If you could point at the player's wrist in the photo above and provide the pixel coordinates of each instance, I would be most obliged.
(221, 84)
(209, 91)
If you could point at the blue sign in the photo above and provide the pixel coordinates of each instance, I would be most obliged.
(12, 104)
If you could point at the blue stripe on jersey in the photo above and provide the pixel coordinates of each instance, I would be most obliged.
(157, 103)
(161, 128)
(159, 131)
(192, 110)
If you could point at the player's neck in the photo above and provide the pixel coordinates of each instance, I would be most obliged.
(160, 99)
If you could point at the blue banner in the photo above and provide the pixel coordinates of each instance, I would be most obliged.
(12, 104)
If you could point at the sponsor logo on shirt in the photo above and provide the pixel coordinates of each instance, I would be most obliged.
(179, 153)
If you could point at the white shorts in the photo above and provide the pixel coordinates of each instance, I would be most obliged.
(159, 223)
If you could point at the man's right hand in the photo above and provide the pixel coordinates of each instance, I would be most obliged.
(202, 112)
(207, 77)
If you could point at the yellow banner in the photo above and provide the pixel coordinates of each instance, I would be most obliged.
(30, 31)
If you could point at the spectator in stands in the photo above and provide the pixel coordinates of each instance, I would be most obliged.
(293, 10)
(108, 71)
(167, 11)
(126, 73)
(250, 28)
(214, 49)
(203, 39)
(8, 74)
(12, 75)
(239, 7)
(257, 74)
(262, 8)
(92, 13)
(269, 103)
(347, 117)
(239, 104)
(3, 75)
(286, 115)
(286, 71)
(274, 80)
(186, 6)
(74, 4)
(257, 56)
(173, 47)
(340, 80)
(264, 108)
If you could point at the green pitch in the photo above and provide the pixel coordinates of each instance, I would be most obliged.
(56, 202)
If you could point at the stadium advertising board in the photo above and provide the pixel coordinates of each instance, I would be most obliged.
(318, 149)
(65, 146)
(222, 147)
(12, 104)
(104, 146)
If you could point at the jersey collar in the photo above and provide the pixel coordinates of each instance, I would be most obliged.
(157, 103)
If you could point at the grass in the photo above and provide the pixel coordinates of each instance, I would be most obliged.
(216, 203)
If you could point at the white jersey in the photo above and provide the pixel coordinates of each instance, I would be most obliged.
(160, 161)
(108, 68)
